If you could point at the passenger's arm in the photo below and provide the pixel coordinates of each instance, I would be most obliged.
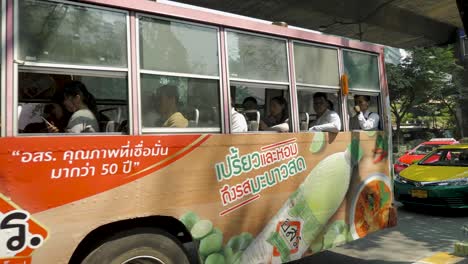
(371, 123)
(239, 124)
(177, 121)
(284, 127)
(334, 125)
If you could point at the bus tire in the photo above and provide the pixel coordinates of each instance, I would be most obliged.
(151, 243)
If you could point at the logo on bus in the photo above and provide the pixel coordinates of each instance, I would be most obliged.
(20, 235)
(290, 232)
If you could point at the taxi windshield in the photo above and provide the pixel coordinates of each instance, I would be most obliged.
(424, 149)
(446, 157)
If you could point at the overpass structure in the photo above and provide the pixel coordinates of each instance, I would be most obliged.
(397, 23)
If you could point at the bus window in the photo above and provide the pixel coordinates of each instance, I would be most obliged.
(363, 101)
(41, 96)
(362, 70)
(51, 32)
(316, 65)
(307, 110)
(317, 75)
(257, 58)
(171, 101)
(179, 102)
(258, 71)
(266, 108)
(74, 75)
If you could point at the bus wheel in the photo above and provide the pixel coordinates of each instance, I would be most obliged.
(139, 246)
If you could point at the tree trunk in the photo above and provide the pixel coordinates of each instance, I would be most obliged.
(398, 131)
(458, 127)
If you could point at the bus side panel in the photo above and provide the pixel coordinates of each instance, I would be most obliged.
(288, 195)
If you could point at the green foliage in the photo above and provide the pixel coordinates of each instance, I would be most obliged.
(424, 85)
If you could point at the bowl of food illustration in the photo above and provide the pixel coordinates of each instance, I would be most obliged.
(371, 205)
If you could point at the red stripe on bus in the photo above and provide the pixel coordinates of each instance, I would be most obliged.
(278, 144)
(225, 212)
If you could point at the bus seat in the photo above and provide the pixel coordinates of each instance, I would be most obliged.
(112, 126)
(304, 118)
(253, 119)
(123, 127)
(194, 117)
(253, 125)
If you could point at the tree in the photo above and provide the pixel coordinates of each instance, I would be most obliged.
(428, 75)
(406, 90)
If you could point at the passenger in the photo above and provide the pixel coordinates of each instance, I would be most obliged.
(55, 115)
(168, 100)
(250, 103)
(238, 122)
(277, 120)
(363, 120)
(327, 120)
(82, 105)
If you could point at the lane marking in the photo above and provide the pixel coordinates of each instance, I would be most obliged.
(442, 258)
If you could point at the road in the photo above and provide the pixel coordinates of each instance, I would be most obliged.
(420, 233)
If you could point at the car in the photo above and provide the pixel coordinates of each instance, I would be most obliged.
(419, 152)
(440, 179)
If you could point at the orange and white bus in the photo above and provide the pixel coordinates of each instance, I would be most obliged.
(157, 132)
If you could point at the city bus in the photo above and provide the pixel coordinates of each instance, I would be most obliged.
(119, 141)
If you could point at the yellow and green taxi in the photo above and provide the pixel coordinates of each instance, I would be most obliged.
(438, 179)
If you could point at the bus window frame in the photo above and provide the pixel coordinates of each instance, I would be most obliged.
(228, 30)
(378, 70)
(321, 88)
(139, 71)
(381, 93)
(261, 83)
(3, 100)
(315, 45)
(19, 65)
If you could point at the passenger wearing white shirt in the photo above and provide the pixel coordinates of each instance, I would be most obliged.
(363, 120)
(327, 120)
(238, 122)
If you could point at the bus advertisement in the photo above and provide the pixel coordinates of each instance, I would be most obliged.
(133, 130)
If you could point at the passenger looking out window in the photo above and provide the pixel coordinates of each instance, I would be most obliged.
(327, 119)
(250, 103)
(277, 119)
(364, 119)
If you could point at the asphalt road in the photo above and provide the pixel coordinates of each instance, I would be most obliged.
(420, 233)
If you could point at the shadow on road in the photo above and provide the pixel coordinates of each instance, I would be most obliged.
(420, 232)
(329, 257)
(430, 211)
